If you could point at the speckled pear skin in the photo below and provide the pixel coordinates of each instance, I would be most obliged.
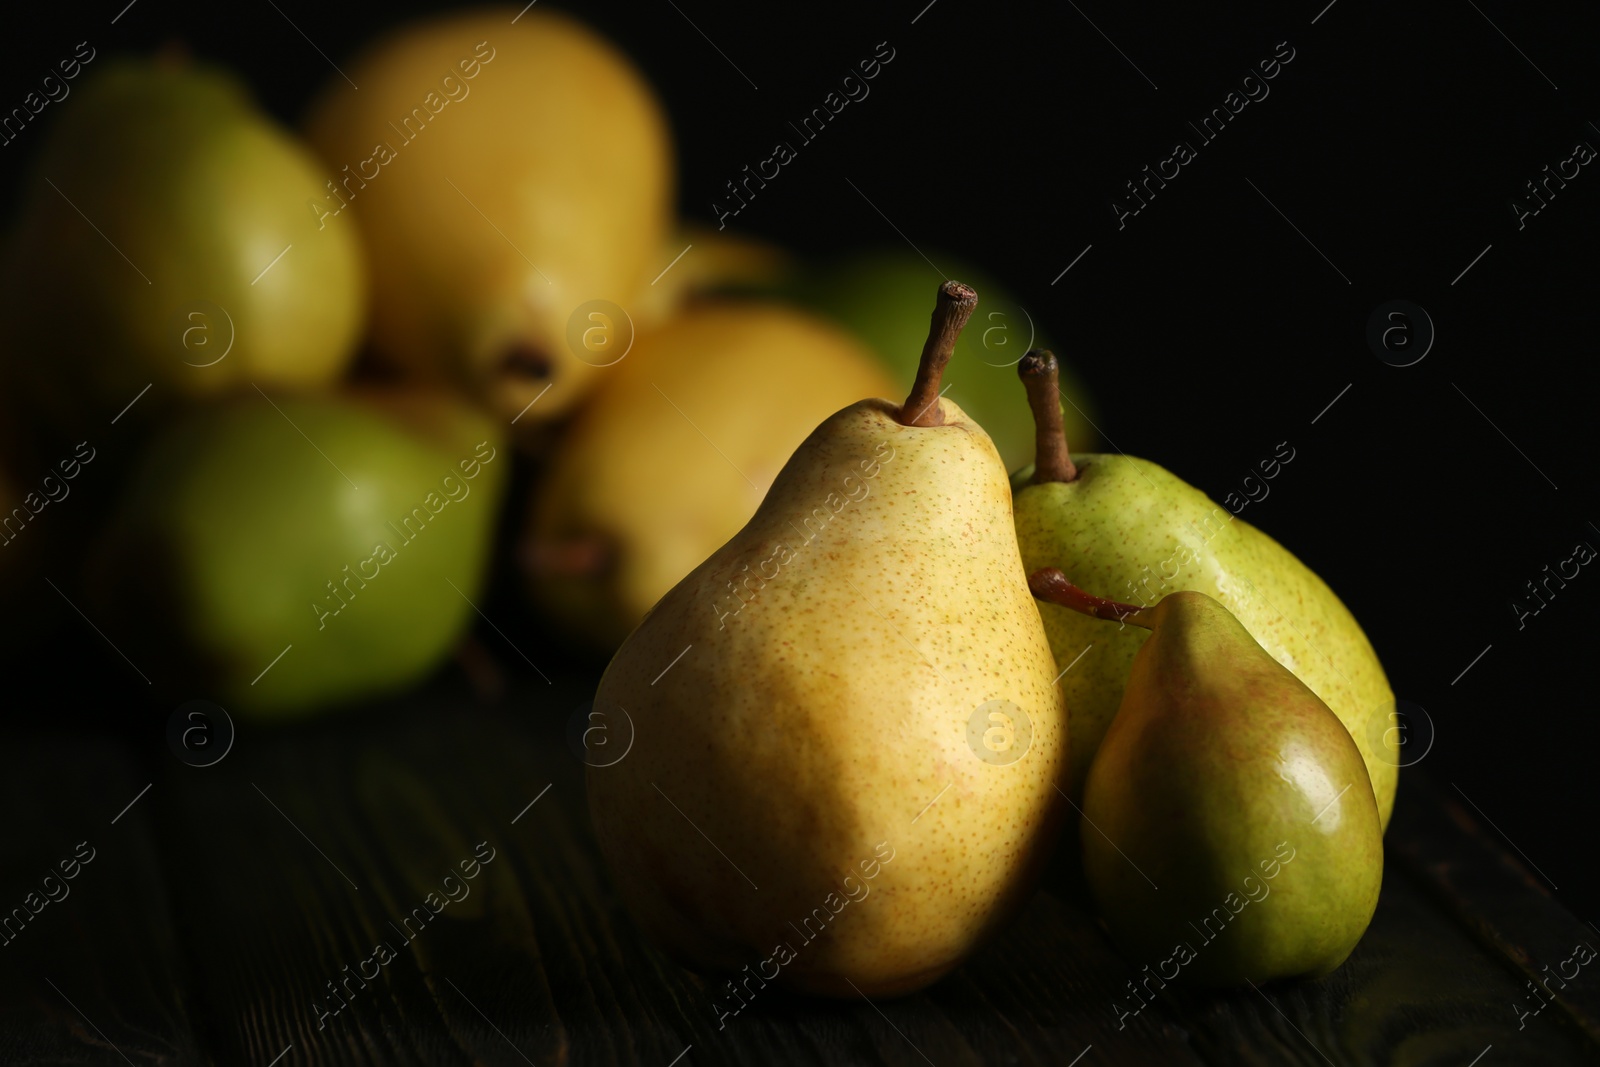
(813, 732)
(1236, 791)
(1123, 515)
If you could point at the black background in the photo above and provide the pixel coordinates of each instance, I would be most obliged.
(1208, 329)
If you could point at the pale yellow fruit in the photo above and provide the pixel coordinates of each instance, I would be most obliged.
(675, 451)
(712, 261)
(825, 667)
(504, 175)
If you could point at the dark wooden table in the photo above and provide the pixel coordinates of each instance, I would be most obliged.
(220, 902)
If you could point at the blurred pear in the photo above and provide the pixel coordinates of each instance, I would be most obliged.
(512, 176)
(675, 452)
(715, 262)
(284, 556)
(164, 240)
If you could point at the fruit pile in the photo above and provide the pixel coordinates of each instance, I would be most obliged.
(913, 670)
(289, 356)
(298, 378)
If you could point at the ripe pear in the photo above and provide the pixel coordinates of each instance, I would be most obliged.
(1129, 529)
(164, 241)
(723, 263)
(673, 454)
(282, 555)
(507, 171)
(876, 295)
(1232, 831)
(805, 789)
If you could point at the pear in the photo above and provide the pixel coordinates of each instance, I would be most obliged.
(1232, 831)
(723, 263)
(281, 556)
(1129, 529)
(164, 242)
(848, 743)
(513, 177)
(675, 451)
(874, 294)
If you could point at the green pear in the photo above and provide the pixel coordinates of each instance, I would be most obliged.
(615, 524)
(164, 242)
(284, 555)
(1126, 528)
(1232, 834)
(848, 742)
(878, 295)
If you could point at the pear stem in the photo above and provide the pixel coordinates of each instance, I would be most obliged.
(1041, 377)
(1048, 583)
(950, 314)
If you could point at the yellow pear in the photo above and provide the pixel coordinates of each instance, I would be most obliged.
(512, 177)
(713, 262)
(675, 451)
(848, 743)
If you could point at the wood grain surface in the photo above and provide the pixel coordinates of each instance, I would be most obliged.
(307, 900)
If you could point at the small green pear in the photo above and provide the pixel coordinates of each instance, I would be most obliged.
(848, 742)
(165, 243)
(281, 556)
(1129, 529)
(1231, 831)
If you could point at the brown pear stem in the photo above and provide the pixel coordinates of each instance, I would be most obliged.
(950, 314)
(1048, 583)
(1041, 377)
